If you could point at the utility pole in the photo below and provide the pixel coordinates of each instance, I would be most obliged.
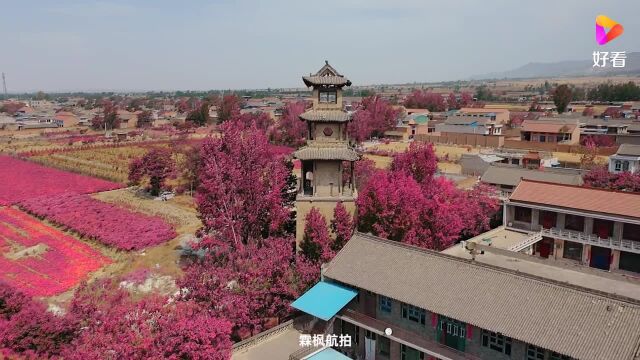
(4, 86)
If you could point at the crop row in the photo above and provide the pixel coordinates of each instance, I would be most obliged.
(23, 180)
(100, 221)
(40, 260)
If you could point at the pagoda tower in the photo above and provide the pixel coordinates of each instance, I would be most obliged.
(328, 158)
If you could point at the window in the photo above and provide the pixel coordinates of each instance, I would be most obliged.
(547, 219)
(603, 228)
(384, 346)
(625, 166)
(543, 138)
(574, 222)
(409, 353)
(629, 262)
(555, 356)
(351, 329)
(452, 327)
(497, 342)
(572, 250)
(414, 313)
(535, 353)
(631, 232)
(328, 96)
(385, 303)
(618, 165)
(522, 214)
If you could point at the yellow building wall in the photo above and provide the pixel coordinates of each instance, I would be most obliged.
(317, 105)
(326, 207)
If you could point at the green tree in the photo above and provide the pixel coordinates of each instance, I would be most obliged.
(562, 97)
(483, 93)
(200, 116)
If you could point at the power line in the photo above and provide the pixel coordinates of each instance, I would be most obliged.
(4, 86)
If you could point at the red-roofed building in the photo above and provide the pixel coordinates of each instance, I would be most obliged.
(595, 227)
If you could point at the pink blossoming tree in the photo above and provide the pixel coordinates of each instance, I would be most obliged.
(240, 196)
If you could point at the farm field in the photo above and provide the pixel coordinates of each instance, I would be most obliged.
(179, 211)
(22, 180)
(106, 223)
(41, 260)
(107, 163)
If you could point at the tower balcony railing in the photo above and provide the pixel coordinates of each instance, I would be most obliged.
(309, 192)
(592, 239)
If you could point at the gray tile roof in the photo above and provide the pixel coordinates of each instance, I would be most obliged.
(629, 149)
(326, 153)
(326, 115)
(467, 120)
(505, 175)
(326, 80)
(327, 75)
(570, 320)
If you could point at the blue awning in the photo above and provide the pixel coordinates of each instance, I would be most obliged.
(327, 354)
(324, 300)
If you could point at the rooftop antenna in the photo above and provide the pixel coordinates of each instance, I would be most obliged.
(4, 86)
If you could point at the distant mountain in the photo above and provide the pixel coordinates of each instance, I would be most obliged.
(570, 68)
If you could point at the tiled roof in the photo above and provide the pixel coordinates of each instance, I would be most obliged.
(547, 127)
(629, 149)
(567, 319)
(504, 175)
(326, 80)
(483, 110)
(576, 197)
(326, 153)
(467, 120)
(605, 122)
(326, 115)
(327, 75)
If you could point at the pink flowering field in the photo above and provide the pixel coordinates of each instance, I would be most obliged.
(103, 222)
(40, 260)
(21, 180)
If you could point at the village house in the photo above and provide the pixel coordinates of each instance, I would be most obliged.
(562, 131)
(477, 164)
(66, 119)
(627, 158)
(598, 126)
(128, 120)
(399, 302)
(593, 227)
(480, 124)
(409, 126)
(501, 116)
(505, 178)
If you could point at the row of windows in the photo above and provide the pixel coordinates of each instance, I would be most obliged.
(496, 341)
(492, 340)
(620, 165)
(538, 353)
(452, 327)
(414, 314)
(327, 97)
(409, 312)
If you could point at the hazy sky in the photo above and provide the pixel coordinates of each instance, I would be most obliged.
(220, 44)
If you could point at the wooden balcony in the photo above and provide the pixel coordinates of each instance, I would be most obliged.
(406, 337)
